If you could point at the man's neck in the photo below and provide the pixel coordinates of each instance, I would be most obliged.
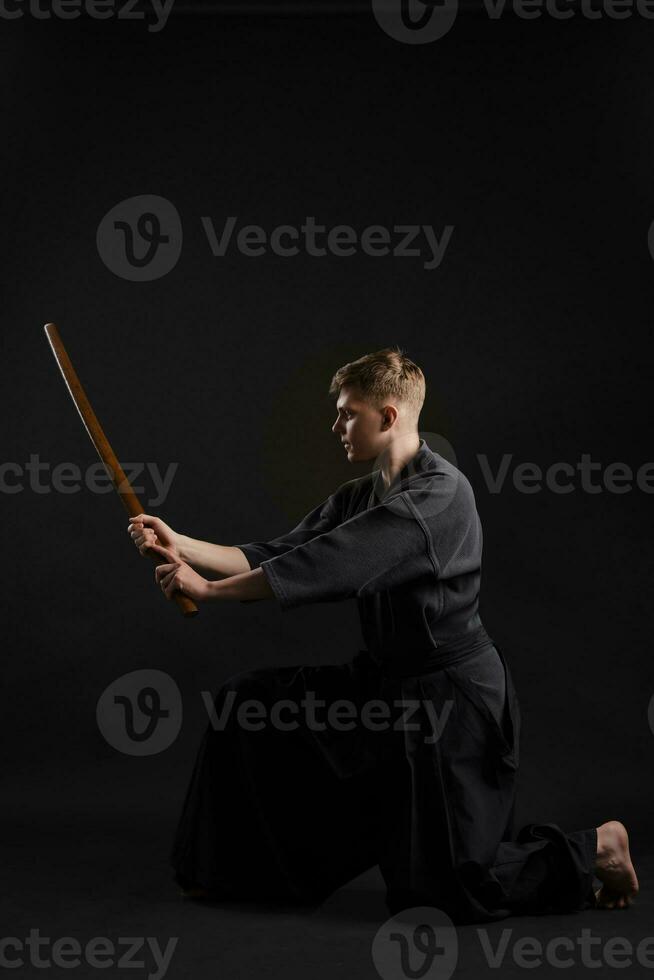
(396, 455)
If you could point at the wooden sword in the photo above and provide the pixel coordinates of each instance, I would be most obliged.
(130, 501)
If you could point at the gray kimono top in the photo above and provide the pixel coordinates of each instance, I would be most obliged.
(410, 554)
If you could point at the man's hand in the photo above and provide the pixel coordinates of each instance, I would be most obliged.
(146, 531)
(176, 575)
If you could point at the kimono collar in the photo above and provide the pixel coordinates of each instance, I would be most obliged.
(421, 462)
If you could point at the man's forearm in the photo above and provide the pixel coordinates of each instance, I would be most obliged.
(215, 559)
(246, 586)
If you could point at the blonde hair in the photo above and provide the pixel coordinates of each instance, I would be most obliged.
(383, 374)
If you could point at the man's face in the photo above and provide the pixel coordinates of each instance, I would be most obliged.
(359, 426)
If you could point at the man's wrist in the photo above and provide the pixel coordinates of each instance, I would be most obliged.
(181, 544)
(242, 587)
(215, 589)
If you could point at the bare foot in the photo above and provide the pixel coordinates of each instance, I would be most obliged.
(614, 868)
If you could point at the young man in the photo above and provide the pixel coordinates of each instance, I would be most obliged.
(420, 777)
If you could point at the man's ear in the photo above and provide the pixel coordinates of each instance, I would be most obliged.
(389, 416)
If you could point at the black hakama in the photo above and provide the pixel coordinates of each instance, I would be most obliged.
(293, 815)
(297, 801)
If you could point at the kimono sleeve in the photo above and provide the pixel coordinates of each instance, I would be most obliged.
(379, 548)
(322, 518)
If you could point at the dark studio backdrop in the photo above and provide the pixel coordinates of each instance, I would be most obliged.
(534, 141)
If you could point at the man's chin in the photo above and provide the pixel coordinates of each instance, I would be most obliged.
(358, 455)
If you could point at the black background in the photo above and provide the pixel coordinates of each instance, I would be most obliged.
(532, 138)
